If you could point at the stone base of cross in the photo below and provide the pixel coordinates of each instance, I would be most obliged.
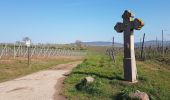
(128, 26)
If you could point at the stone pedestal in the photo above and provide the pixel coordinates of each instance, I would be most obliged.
(129, 69)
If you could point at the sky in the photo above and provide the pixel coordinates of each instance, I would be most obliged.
(65, 21)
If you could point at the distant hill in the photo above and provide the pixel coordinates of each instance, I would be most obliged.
(153, 43)
(102, 43)
(147, 43)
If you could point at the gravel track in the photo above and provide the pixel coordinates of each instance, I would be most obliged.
(42, 85)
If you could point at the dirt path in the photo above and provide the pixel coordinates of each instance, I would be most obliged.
(43, 85)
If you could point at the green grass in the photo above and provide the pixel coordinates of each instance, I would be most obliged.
(10, 69)
(153, 78)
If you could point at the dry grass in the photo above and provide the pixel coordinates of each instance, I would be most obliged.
(13, 68)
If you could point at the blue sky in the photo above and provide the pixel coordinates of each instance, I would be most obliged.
(64, 21)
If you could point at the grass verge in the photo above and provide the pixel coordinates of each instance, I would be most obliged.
(109, 85)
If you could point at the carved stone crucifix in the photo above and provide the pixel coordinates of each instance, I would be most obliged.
(128, 26)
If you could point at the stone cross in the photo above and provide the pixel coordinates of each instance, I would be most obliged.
(128, 26)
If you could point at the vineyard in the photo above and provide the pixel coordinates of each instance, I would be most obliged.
(151, 52)
(156, 53)
(8, 51)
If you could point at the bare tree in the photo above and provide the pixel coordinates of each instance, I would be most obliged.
(26, 38)
(78, 43)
